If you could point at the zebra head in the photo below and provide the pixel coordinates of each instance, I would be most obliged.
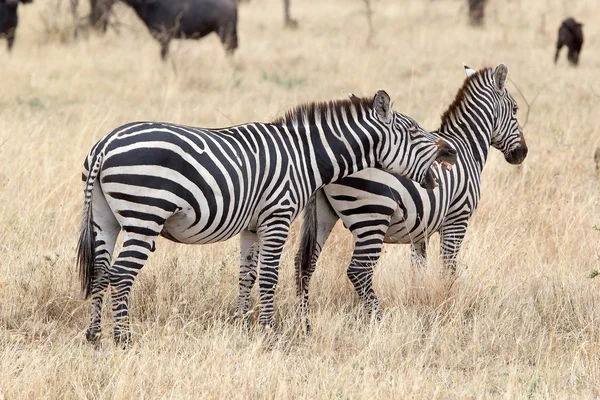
(507, 135)
(409, 150)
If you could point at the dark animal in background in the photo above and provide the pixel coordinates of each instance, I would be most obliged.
(99, 14)
(287, 20)
(476, 11)
(570, 34)
(176, 19)
(188, 19)
(9, 20)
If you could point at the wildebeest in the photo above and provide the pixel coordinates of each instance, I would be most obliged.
(9, 19)
(570, 34)
(171, 19)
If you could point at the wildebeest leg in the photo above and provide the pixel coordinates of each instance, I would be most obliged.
(164, 47)
(74, 4)
(288, 21)
(559, 45)
(572, 56)
(228, 36)
(10, 37)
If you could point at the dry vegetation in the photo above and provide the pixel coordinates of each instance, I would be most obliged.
(522, 320)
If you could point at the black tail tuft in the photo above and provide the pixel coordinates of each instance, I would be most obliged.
(308, 242)
(86, 250)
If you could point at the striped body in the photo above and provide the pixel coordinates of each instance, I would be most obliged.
(197, 186)
(379, 207)
(201, 186)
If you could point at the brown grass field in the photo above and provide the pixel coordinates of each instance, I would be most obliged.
(522, 319)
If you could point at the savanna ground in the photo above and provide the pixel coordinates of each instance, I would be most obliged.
(522, 319)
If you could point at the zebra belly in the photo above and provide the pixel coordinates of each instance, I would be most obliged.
(177, 229)
(413, 213)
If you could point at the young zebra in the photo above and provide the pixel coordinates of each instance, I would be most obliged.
(197, 186)
(381, 207)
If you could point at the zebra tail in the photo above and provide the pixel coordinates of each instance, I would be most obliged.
(308, 241)
(86, 247)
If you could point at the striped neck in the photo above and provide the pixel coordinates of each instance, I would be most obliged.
(469, 120)
(337, 138)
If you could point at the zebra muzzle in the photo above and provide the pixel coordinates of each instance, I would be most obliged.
(444, 164)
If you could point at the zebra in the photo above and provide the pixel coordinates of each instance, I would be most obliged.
(196, 186)
(381, 207)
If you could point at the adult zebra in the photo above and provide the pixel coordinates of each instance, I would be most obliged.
(381, 207)
(196, 186)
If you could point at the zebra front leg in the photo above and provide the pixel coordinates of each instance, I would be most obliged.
(272, 237)
(131, 259)
(451, 240)
(247, 277)
(367, 251)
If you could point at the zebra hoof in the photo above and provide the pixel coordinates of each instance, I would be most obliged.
(241, 319)
(122, 339)
(308, 328)
(269, 327)
(93, 336)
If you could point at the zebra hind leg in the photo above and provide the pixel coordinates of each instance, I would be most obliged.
(418, 254)
(367, 251)
(105, 244)
(319, 220)
(247, 277)
(138, 243)
(106, 229)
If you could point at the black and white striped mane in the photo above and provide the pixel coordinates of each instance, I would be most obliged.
(458, 99)
(308, 110)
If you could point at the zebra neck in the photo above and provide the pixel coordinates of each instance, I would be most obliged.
(336, 149)
(472, 143)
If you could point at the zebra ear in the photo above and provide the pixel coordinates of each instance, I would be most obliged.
(381, 105)
(468, 70)
(500, 75)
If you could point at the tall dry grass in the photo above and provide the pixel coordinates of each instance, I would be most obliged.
(522, 319)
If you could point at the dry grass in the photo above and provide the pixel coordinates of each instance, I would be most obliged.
(522, 320)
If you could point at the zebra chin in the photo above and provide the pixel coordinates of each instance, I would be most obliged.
(516, 155)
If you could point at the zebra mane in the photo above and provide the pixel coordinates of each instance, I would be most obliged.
(460, 95)
(308, 110)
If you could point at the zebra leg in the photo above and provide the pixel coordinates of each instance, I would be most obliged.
(136, 248)
(106, 230)
(272, 236)
(325, 219)
(418, 254)
(367, 250)
(451, 241)
(248, 262)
